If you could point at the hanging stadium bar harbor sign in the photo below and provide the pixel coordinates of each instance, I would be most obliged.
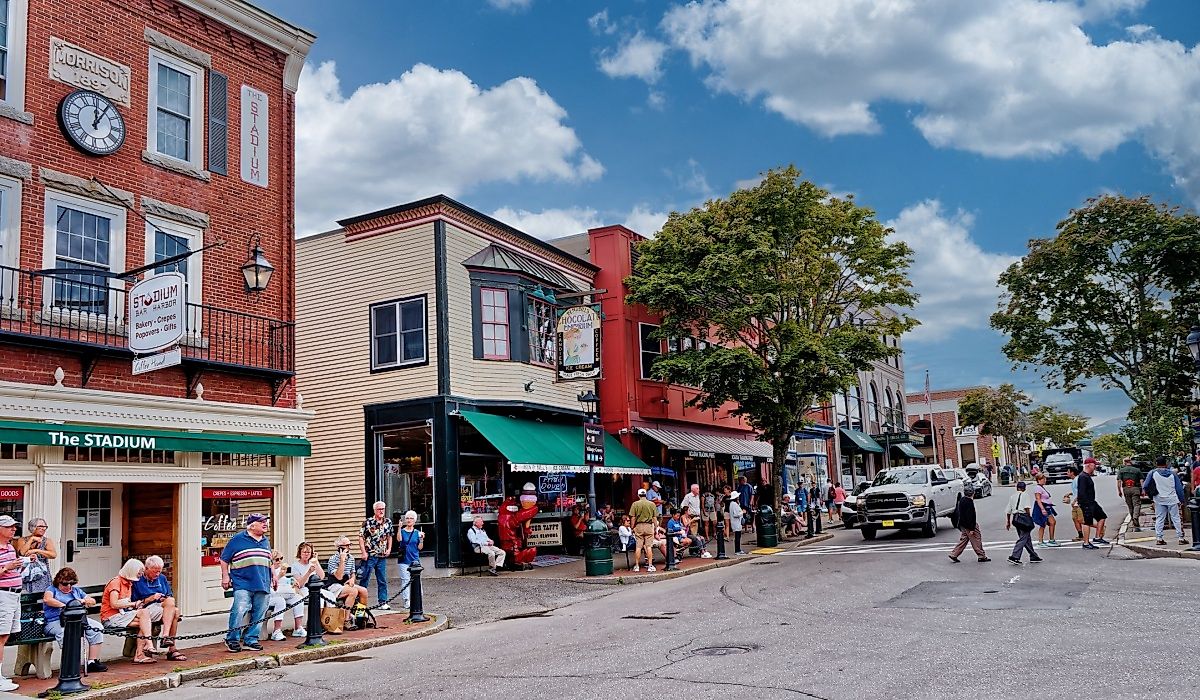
(579, 342)
(156, 320)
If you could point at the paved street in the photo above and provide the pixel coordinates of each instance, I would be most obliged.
(844, 619)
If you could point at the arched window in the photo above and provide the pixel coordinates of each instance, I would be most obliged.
(855, 408)
(840, 407)
(874, 407)
(890, 416)
(901, 418)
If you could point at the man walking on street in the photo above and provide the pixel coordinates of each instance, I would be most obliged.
(1129, 487)
(645, 518)
(1166, 489)
(1093, 514)
(246, 568)
(968, 526)
(375, 546)
(1018, 515)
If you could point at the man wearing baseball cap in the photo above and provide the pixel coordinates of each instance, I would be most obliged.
(645, 518)
(246, 568)
(10, 590)
(1093, 514)
(654, 495)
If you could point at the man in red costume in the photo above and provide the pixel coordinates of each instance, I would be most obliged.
(513, 521)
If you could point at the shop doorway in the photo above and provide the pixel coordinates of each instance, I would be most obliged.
(92, 531)
(150, 524)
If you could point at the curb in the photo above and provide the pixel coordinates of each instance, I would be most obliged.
(1151, 552)
(616, 580)
(230, 668)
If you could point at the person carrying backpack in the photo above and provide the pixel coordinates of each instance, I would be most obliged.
(1165, 488)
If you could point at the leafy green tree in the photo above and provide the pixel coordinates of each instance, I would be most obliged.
(795, 291)
(1112, 448)
(1108, 299)
(1062, 428)
(1159, 430)
(996, 411)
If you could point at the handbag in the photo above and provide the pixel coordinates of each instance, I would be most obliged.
(1022, 520)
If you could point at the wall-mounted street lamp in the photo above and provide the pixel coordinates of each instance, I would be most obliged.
(942, 446)
(258, 270)
(590, 403)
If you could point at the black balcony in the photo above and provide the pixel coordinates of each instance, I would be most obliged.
(87, 314)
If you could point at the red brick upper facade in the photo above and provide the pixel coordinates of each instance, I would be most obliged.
(177, 72)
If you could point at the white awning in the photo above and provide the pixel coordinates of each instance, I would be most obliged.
(688, 441)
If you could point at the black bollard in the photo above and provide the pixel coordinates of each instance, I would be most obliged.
(69, 668)
(818, 518)
(1194, 506)
(416, 608)
(809, 520)
(721, 538)
(316, 630)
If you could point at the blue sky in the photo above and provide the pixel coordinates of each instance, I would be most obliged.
(970, 127)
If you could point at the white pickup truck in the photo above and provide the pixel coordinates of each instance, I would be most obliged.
(912, 497)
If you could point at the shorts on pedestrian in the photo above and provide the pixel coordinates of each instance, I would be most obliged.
(644, 533)
(10, 612)
(1076, 513)
(1041, 519)
(126, 617)
(1093, 515)
(709, 517)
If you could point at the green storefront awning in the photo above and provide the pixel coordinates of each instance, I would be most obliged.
(530, 446)
(853, 439)
(75, 435)
(908, 450)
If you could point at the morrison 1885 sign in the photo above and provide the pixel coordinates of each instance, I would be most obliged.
(156, 308)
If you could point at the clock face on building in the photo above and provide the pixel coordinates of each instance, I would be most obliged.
(91, 122)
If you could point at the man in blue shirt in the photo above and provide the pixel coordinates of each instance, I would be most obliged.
(155, 589)
(246, 568)
(655, 497)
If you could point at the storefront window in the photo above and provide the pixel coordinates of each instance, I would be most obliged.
(223, 512)
(12, 502)
(114, 455)
(14, 451)
(406, 474)
(481, 474)
(244, 461)
(541, 333)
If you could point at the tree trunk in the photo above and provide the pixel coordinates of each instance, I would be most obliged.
(779, 448)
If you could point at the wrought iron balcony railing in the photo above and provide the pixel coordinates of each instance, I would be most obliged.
(88, 312)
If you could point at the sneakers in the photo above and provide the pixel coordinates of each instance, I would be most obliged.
(277, 636)
(740, 553)
(651, 568)
(953, 558)
(1089, 545)
(637, 568)
(1015, 561)
(983, 559)
(1182, 541)
(300, 632)
(1053, 543)
(233, 646)
(1039, 545)
(385, 606)
(1034, 560)
(1160, 542)
(708, 555)
(7, 685)
(96, 666)
(1100, 540)
(252, 646)
(493, 572)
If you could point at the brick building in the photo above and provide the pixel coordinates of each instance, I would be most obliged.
(133, 133)
(956, 445)
(682, 444)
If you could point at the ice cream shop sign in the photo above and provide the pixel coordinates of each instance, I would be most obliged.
(156, 312)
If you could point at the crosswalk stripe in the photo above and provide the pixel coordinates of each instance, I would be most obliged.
(906, 548)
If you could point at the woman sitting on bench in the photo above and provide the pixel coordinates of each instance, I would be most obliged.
(62, 592)
(118, 610)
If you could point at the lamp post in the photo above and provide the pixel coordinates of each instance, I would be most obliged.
(1193, 345)
(941, 446)
(257, 270)
(589, 402)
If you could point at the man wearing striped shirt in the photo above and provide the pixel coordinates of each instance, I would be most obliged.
(10, 590)
(246, 568)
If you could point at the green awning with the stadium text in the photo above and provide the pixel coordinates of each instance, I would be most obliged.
(104, 436)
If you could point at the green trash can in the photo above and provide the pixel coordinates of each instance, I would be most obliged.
(768, 527)
(597, 552)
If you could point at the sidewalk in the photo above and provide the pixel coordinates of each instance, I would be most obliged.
(208, 659)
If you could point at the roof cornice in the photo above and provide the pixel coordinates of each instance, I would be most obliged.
(262, 26)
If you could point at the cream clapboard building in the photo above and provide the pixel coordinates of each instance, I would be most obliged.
(425, 348)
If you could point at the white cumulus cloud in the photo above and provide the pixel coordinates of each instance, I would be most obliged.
(555, 223)
(510, 5)
(637, 56)
(955, 277)
(1003, 78)
(426, 132)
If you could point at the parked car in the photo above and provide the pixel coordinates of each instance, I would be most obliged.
(904, 498)
(977, 477)
(850, 518)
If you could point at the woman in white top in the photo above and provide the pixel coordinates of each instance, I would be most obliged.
(286, 593)
(735, 518)
(625, 533)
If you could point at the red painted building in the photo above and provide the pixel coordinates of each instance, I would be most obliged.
(682, 444)
(137, 132)
(946, 441)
